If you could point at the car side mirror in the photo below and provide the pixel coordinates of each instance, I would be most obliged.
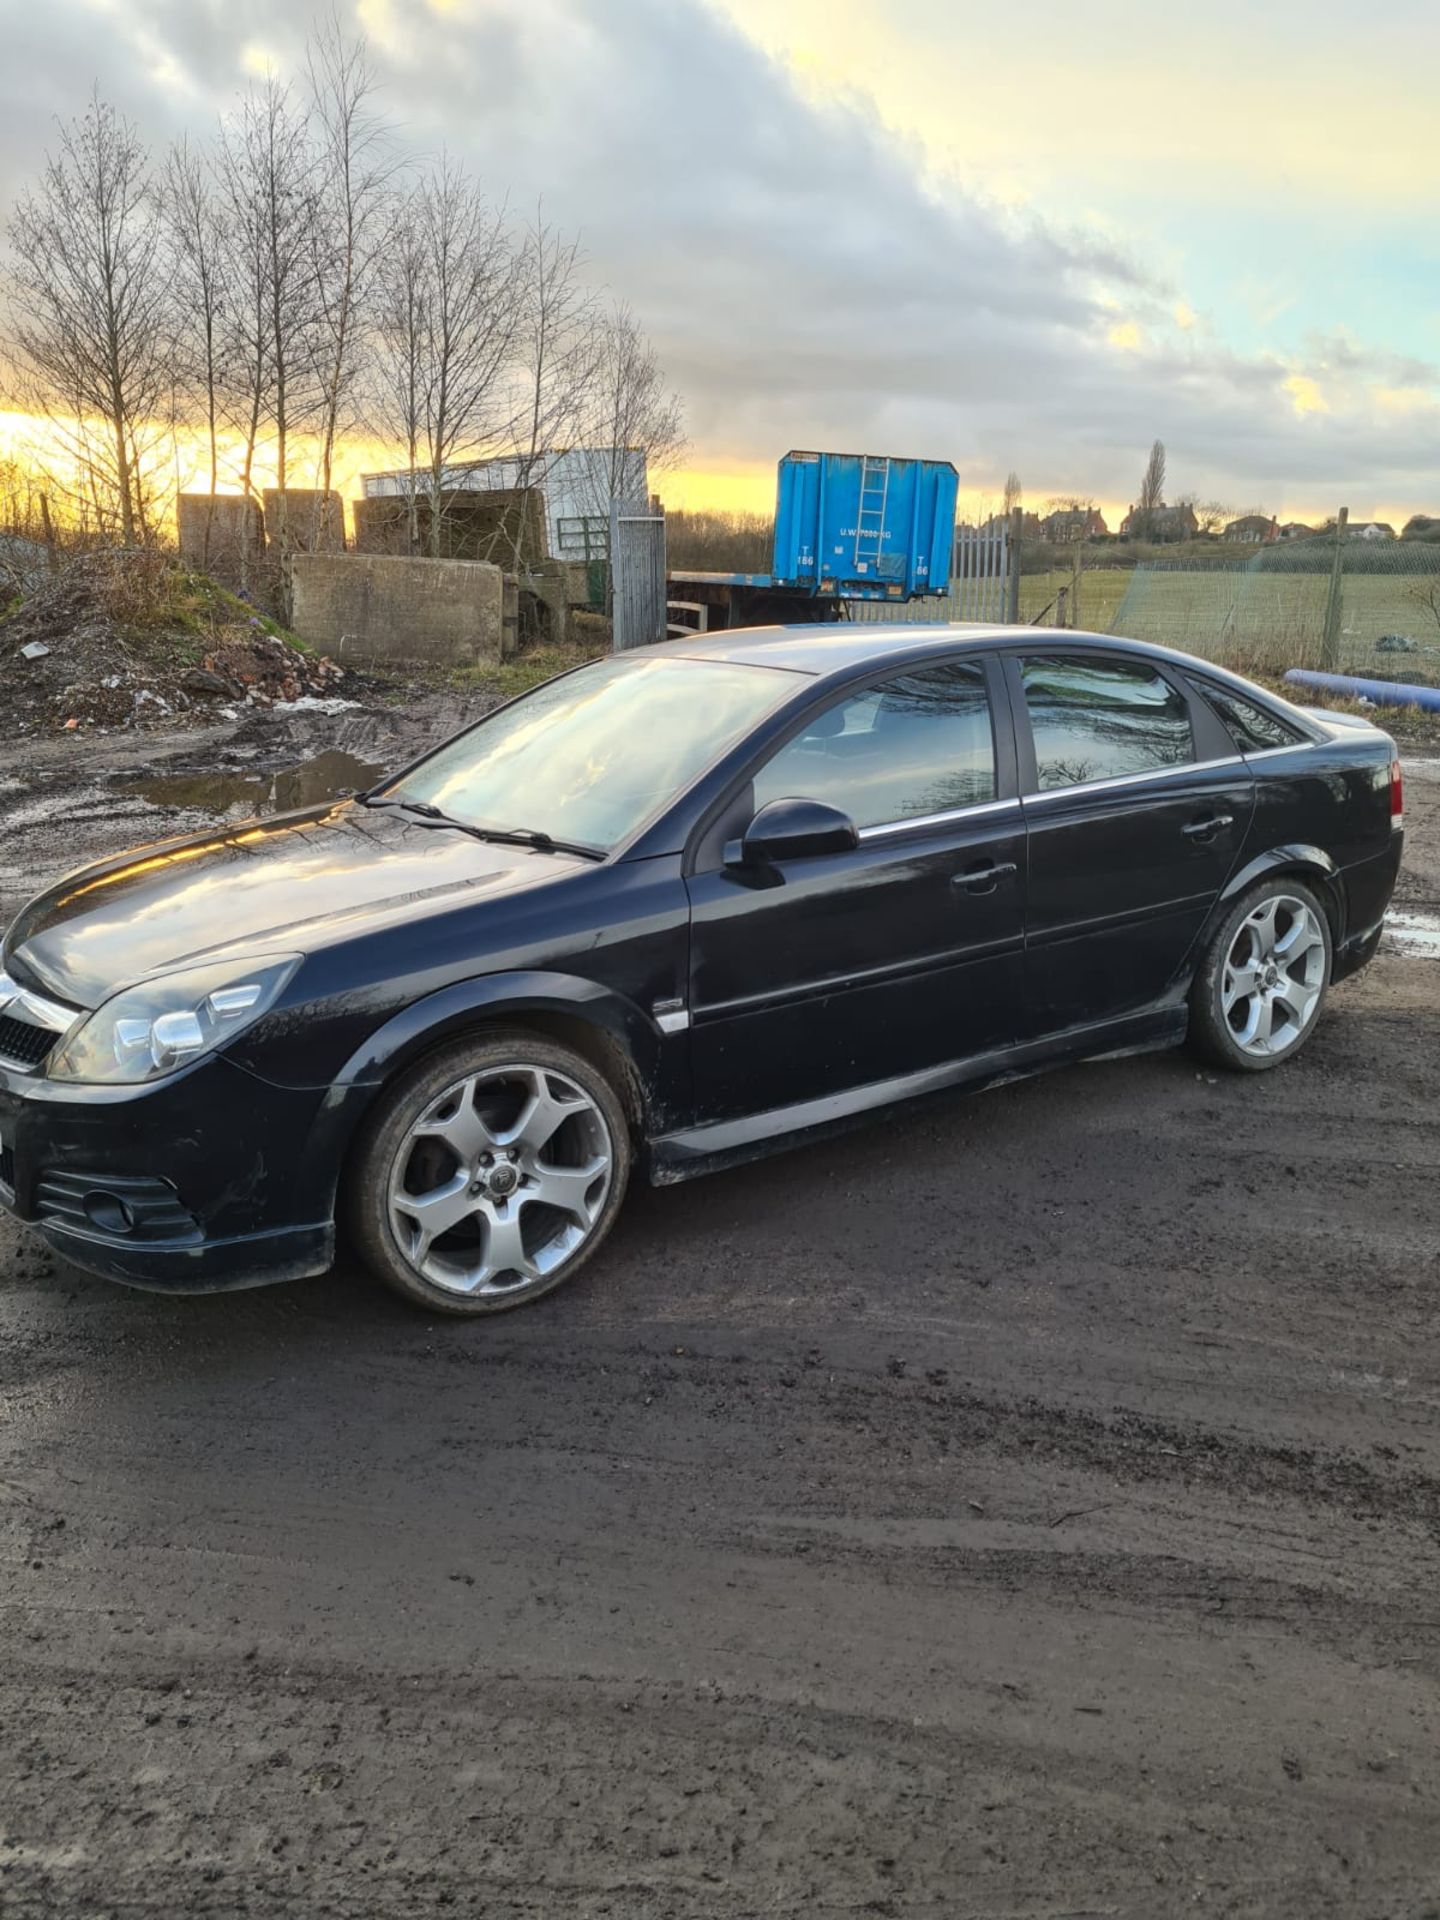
(793, 829)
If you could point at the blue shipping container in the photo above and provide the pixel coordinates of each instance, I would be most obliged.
(864, 525)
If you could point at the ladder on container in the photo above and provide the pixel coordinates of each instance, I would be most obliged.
(870, 520)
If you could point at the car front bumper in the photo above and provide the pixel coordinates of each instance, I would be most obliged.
(212, 1179)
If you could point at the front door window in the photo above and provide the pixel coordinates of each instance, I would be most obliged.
(906, 748)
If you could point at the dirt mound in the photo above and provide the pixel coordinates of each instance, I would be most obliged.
(133, 640)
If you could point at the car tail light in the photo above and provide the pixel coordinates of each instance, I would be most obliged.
(1397, 795)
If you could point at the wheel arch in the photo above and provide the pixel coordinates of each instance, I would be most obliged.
(479, 1035)
(609, 1030)
(1310, 864)
(605, 1027)
(1301, 862)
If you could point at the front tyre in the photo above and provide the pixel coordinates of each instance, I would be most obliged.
(1257, 996)
(489, 1174)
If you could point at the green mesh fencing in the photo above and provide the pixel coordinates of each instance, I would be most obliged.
(1269, 610)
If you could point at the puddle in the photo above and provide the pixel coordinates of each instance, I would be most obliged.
(1413, 933)
(1420, 769)
(321, 778)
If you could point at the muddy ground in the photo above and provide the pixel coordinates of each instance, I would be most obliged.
(1028, 1508)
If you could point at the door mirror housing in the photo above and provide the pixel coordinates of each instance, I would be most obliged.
(794, 829)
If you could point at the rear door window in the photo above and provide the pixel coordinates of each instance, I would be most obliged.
(916, 744)
(1094, 718)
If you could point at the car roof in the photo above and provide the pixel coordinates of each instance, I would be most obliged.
(836, 650)
(840, 646)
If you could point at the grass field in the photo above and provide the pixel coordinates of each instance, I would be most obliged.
(1258, 622)
(1101, 592)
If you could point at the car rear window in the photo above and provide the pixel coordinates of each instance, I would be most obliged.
(1102, 719)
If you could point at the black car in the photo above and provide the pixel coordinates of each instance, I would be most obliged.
(671, 910)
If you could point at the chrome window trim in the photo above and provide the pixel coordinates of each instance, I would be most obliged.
(40, 1011)
(934, 819)
(1293, 746)
(1136, 779)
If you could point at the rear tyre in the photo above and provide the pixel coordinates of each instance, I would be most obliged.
(1257, 996)
(490, 1174)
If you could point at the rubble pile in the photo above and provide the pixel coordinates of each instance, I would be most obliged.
(132, 640)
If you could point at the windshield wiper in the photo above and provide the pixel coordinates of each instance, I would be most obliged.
(531, 837)
(424, 807)
(504, 836)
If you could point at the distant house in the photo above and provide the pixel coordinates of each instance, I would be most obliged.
(1029, 525)
(1253, 529)
(1364, 529)
(1296, 530)
(1160, 523)
(1067, 525)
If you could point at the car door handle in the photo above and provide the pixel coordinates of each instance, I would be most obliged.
(985, 877)
(1207, 829)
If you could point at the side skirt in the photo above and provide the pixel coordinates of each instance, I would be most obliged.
(693, 1151)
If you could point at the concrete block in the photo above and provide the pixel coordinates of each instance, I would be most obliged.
(304, 520)
(360, 606)
(223, 534)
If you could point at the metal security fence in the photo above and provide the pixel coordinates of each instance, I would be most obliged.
(1342, 604)
(979, 585)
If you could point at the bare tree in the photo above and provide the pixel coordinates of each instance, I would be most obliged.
(245, 351)
(1211, 516)
(631, 410)
(89, 334)
(1014, 493)
(271, 183)
(1425, 594)
(450, 306)
(198, 290)
(558, 349)
(355, 167)
(401, 359)
(278, 281)
(1152, 493)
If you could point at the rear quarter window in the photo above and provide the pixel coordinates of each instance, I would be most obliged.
(1253, 728)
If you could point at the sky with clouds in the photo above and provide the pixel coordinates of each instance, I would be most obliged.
(1027, 239)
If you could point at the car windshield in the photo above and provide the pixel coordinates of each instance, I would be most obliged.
(589, 757)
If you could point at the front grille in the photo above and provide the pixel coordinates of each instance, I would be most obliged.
(24, 1045)
(140, 1207)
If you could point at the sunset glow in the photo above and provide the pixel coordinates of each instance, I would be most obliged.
(915, 236)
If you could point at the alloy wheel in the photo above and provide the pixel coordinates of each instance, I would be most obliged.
(500, 1180)
(1274, 975)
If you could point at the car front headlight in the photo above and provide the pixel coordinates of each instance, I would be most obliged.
(151, 1029)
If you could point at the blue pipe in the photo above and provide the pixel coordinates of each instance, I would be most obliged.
(1385, 693)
